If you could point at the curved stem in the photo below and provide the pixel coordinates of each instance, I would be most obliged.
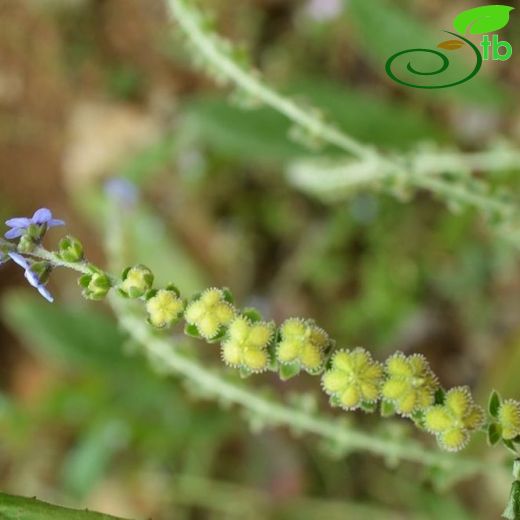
(189, 22)
(189, 19)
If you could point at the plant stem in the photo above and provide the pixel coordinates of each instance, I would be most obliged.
(189, 21)
(207, 44)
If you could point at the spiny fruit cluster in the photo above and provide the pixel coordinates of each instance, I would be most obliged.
(403, 385)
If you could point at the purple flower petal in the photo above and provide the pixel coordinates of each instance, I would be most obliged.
(45, 293)
(18, 222)
(41, 216)
(14, 233)
(19, 259)
(32, 278)
(55, 222)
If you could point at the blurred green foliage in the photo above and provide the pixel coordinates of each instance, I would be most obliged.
(215, 209)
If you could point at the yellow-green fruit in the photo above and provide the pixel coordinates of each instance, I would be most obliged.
(164, 308)
(302, 342)
(245, 344)
(453, 421)
(210, 313)
(353, 378)
(410, 383)
(136, 281)
(509, 418)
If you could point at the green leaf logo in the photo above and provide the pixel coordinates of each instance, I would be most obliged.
(480, 20)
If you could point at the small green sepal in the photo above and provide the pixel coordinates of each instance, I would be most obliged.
(494, 434)
(228, 296)
(494, 404)
(192, 331)
(252, 313)
(71, 249)
(289, 370)
(512, 511)
(368, 407)
(387, 408)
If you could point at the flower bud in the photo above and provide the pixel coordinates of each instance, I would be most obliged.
(71, 249)
(136, 281)
(27, 244)
(164, 307)
(95, 286)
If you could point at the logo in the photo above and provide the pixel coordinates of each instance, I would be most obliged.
(480, 20)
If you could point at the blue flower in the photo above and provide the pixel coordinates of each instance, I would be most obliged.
(42, 216)
(122, 191)
(31, 276)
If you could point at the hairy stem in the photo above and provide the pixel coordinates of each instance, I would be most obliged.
(207, 45)
(189, 21)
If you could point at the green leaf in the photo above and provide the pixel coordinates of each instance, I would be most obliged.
(86, 463)
(18, 508)
(480, 20)
(494, 403)
(494, 434)
(512, 511)
(69, 335)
